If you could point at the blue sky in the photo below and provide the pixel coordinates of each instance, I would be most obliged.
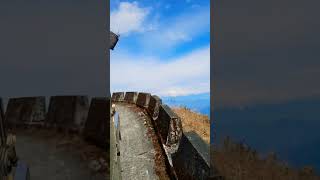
(164, 46)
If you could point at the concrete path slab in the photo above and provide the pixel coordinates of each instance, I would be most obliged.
(137, 150)
(53, 157)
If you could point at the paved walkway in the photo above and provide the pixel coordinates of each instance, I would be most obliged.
(136, 148)
(49, 160)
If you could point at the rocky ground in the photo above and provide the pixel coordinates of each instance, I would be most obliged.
(52, 155)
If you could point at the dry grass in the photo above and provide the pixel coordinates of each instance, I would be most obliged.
(192, 121)
(239, 162)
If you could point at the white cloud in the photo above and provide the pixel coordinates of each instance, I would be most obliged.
(188, 74)
(128, 17)
(168, 32)
(183, 75)
(181, 29)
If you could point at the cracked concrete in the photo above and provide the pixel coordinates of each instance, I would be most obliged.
(137, 151)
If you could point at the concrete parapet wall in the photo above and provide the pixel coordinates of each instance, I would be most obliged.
(153, 107)
(188, 161)
(67, 112)
(169, 126)
(131, 97)
(143, 99)
(97, 127)
(81, 112)
(60, 112)
(74, 113)
(25, 111)
(117, 96)
(70, 113)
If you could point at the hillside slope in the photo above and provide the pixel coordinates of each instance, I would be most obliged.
(192, 121)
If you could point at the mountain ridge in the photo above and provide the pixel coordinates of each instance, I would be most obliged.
(196, 102)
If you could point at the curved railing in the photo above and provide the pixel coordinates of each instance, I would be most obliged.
(186, 161)
(75, 114)
(67, 113)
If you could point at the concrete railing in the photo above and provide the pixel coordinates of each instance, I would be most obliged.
(66, 113)
(186, 161)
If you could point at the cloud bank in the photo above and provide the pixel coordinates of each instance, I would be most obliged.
(188, 74)
(138, 62)
(128, 18)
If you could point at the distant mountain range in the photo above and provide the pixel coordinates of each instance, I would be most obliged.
(199, 102)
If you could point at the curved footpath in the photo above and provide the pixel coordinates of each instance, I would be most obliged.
(137, 150)
(67, 141)
(153, 144)
(50, 158)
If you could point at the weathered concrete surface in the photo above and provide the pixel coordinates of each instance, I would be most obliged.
(97, 126)
(169, 126)
(191, 161)
(25, 110)
(117, 96)
(81, 113)
(202, 147)
(61, 111)
(137, 152)
(131, 97)
(143, 99)
(67, 112)
(153, 107)
(51, 157)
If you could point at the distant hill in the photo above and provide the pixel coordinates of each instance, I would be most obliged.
(199, 102)
(196, 122)
(290, 129)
